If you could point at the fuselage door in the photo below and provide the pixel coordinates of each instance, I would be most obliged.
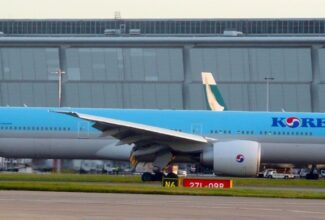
(83, 129)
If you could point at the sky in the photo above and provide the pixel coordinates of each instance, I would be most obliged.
(31, 9)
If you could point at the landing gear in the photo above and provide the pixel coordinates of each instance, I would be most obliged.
(158, 176)
(147, 176)
(171, 175)
(162, 160)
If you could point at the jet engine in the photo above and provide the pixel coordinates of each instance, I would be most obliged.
(233, 158)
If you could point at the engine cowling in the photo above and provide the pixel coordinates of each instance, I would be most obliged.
(233, 158)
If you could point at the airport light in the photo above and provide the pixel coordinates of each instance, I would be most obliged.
(268, 79)
(60, 74)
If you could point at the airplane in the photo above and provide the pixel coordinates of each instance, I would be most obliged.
(231, 142)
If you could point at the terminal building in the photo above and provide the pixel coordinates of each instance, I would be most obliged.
(156, 63)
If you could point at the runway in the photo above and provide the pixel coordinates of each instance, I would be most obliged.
(93, 206)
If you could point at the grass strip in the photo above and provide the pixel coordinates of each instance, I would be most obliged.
(140, 189)
(51, 177)
(100, 178)
(278, 182)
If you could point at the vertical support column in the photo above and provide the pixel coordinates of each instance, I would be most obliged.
(187, 73)
(121, 59)
(315, 78)
(2, 70)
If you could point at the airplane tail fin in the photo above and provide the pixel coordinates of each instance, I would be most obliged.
(212, 93)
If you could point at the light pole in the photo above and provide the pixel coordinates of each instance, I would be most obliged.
(59, 72)
(268, 92)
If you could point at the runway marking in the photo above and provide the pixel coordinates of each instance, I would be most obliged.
(307, 212)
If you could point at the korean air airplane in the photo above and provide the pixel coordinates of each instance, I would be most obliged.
(232, 143)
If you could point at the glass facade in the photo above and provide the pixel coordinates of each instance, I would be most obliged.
(164, 26)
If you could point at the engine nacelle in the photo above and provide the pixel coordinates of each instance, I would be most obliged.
(233, 158)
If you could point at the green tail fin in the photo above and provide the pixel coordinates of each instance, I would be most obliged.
(212, 93)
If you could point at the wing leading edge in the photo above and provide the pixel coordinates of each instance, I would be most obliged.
(136, 133)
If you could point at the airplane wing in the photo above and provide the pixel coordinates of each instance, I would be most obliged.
(136, 133)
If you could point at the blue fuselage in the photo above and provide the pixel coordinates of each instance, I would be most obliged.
(39, 132)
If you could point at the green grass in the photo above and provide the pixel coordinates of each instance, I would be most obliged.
(49, 177)
(278, 182)
(145, 189)
(133, 184)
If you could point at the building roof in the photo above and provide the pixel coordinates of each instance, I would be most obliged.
(163, 26)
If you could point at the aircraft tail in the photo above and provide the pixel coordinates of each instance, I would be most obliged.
(212, 93)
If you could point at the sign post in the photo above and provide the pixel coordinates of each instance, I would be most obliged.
(170, 182)
(208, 183)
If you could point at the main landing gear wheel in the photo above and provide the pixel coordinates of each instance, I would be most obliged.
(158, 176)
(171, 175)
(147, 176)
